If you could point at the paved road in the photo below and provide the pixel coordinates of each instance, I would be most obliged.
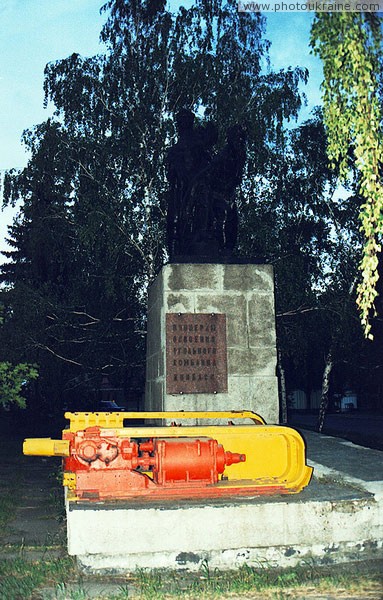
(361, 428)
(38, 502)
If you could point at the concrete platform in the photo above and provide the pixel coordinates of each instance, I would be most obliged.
(337, 518)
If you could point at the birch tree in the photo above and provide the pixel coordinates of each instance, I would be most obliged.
(350, 46)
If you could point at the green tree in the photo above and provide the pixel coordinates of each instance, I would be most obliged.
(350, 46)
(290, 225)
(311, 234)
(90, 237)
(12, 380)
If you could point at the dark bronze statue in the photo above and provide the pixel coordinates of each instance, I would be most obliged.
(202, 215)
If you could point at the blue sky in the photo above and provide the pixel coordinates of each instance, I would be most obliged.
(35, 32)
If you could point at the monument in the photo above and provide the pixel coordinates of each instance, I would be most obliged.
(211, 321)
(159, 496)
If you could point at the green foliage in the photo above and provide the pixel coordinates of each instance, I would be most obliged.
(299, 228)
(90, 236)
(20, 578)
(12, 380)
(261, 581)
(91, 232)
(350, 45)
(58, 579)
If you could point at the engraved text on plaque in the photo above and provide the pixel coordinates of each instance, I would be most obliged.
(196, 353)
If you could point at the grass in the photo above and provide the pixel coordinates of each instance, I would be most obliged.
(19, 578)
(266, 582)
(59, 579)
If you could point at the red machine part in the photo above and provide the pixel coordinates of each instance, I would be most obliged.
(114, 467)
(190, 459)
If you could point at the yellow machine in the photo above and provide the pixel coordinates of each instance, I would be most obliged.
(105, 460)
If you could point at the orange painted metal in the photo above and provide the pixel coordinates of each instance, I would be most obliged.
(107, 466)
(105, 460)
(191, 460)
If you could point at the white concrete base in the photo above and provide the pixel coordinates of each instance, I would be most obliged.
(283, 531)
(281, 557)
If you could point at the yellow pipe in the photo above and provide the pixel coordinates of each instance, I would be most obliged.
(46, 447)
(82, 420)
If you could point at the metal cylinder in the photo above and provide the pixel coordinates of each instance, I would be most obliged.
(46, 447)
(190, 459)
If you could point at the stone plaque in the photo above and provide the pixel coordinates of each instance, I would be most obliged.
(196, 353)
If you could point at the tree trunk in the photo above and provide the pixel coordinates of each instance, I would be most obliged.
(282, 388)
(329, 363)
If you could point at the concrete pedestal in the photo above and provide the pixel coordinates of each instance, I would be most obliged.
(337, 518)
(245, 294)
(319, 526)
